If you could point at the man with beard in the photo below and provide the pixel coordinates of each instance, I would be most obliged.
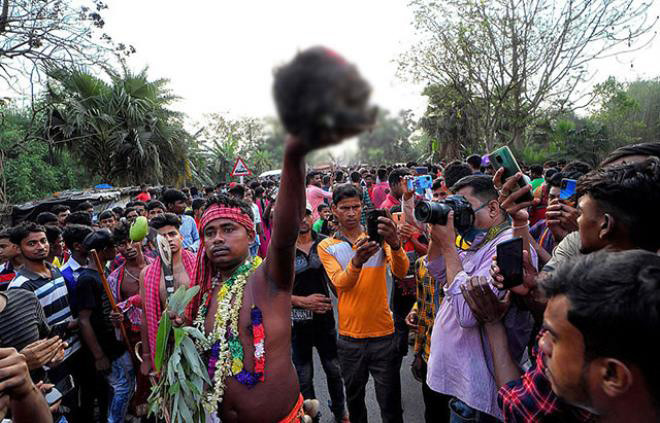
(153, 290)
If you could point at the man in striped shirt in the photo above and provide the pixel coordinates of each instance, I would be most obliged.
(47, 283)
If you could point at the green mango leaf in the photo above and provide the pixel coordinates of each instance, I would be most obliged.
(194, 332)
(191, 355)
(174, 301)
(188, 296)
(174, 389)
(178, 336)
(184, 410)
(162, 338)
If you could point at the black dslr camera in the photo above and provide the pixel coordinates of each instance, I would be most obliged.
(436, 213)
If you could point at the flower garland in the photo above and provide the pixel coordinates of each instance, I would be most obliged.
(227, 355)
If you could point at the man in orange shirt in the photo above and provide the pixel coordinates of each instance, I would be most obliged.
(357, 268)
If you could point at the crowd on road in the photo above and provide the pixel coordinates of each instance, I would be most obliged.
(531, 297)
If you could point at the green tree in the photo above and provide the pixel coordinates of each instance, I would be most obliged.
(126, 123)
(514, 60)
(389, 141)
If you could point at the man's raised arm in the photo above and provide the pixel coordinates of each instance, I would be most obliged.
(321, 100)
(289, 210)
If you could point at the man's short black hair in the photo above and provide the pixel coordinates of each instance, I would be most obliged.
(643, 149)
(437, 184)
(198, 203)
(474, 161)
(107, 214)
(208, 190)
(321, 207)
(119, 211)
(536, 170)
(482, 186)
(550, 163)
(121, 233)
(615, 303)
(20, 232)
(139, 203)
(576, 166)
(356, 177)
(5, 233)
(555, 179)
(238, 191)
(344, 191)
(59, 208)
(79, 218)
(229, 201)
(171, 196)
(630, 194)
(127, 210)
(52, 233)
(75, 233)
(397, 175)
(46, 218)
(326, 180)
(310, 176)
(455, 171)
(155, 204)
(84, 206)
(382, 174)
(165, 219)
(549, 172)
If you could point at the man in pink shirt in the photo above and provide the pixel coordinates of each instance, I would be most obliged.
(315, 194)
(381, 189)
(396, 182)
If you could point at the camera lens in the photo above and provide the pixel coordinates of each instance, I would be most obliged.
(433, 213)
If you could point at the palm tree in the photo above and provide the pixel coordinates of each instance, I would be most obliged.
(123, 131)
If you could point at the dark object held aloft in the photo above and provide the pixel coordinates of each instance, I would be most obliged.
(320, 97)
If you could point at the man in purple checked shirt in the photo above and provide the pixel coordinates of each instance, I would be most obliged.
(459, 364)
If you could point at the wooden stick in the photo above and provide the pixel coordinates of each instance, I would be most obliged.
(111, 297)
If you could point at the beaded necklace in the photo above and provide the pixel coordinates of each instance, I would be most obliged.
(226, 358)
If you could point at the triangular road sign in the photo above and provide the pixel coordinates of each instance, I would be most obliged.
(240, 169)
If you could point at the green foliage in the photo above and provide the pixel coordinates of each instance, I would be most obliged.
(30, 168)
(126, 122)
(183, 372)
(390, 140)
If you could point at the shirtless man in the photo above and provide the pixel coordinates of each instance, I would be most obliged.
(225, 243)
(152, 284)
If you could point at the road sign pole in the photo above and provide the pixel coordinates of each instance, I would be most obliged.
(242, 179)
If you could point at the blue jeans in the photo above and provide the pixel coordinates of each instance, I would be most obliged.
(122, 386)
(460, 412)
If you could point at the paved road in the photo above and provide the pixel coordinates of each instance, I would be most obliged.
(411, 395)
(411, 389)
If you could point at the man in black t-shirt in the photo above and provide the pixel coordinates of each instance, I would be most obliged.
(313, 322)
(110, 357)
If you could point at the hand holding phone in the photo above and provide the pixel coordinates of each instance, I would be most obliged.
(510, 262)
(567, 189)
(372, 225)
(503, 158)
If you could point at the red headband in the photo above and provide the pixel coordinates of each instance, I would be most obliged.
(222, 212)
(203, 269)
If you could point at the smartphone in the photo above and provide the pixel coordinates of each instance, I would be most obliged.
(503, 157)
(510, 262)
(372, 224)
(567, 189)
(60, 329)
(420, 184)
(61, 388)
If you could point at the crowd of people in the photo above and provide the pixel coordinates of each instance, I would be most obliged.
(571, 343)
(560, 328)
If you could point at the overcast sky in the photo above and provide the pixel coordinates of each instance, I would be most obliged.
(219, 55)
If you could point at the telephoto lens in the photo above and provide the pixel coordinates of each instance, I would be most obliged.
(436, 213)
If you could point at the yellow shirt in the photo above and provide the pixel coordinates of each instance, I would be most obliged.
(362, 292)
